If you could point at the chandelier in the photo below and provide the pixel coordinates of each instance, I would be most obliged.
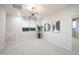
(33, 14)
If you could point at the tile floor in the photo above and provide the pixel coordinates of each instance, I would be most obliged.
(34, 47)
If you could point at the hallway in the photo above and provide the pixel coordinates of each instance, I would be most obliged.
(20, 26)
(33, 47)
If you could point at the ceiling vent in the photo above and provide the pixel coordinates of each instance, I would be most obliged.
(18, 6)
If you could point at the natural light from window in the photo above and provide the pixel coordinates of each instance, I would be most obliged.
(74, 24)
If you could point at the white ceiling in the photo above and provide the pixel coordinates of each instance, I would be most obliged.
(44, 9)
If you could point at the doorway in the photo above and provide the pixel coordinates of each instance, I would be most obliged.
(75, 34)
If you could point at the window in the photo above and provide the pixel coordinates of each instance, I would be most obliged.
(32, 25)
(74, 24)
(29, 25)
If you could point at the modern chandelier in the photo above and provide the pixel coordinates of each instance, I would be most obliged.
(33, 14)
(28, 12)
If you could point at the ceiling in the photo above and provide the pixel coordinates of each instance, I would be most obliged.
(44, 10)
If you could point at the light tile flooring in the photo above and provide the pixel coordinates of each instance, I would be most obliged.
(34, 47)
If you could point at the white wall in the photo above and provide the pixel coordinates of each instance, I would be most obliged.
(12, 25)
(64, 38)
(2, 28)
(14, 29)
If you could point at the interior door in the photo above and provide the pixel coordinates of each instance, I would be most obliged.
(77, 28)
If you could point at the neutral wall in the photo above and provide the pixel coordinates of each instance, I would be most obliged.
(2, 28)
(64, 37)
